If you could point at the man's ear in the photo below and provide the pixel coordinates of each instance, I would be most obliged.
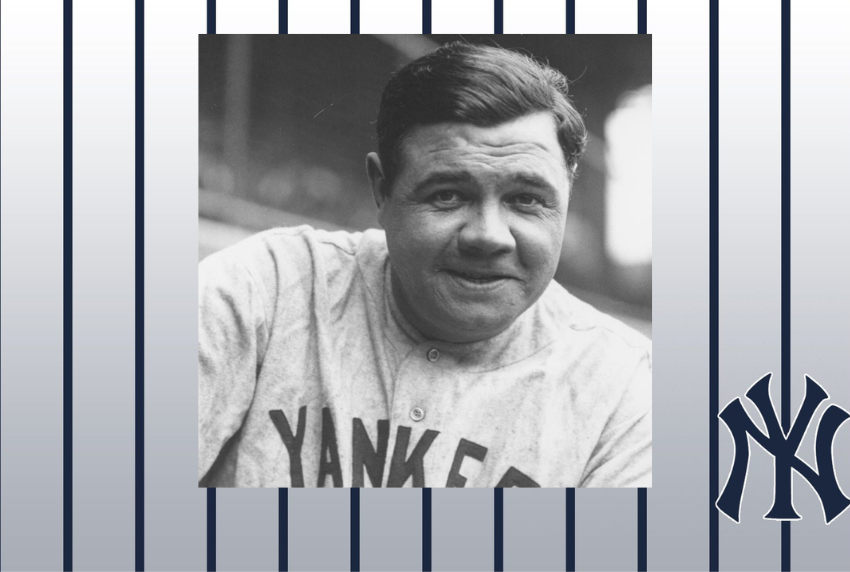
(375, 172)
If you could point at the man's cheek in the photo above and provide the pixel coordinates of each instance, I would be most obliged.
(538, 243)
(417, 258)
(424, 239)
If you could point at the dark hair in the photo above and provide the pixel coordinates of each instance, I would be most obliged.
(475, 84)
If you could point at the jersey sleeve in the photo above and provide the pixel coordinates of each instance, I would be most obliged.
(232, 337)
(623, 455)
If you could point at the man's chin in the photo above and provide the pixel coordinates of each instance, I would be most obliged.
(473, 327)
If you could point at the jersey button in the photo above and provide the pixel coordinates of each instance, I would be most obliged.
(433, 354)
(417, 414)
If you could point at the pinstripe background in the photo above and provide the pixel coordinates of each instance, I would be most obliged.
(246, 528)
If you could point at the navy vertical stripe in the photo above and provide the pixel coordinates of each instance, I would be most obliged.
(641, 9)
(571, 530)
(713, 264)
(498, 15)
(786, 250)
(283, 530)
(282, 16)
(426, 530)
(211, 551)
(140, 285)
(211, 530)
(498, 530)
(426, 16)
(354, 525)
(283, 494)
(571, 492)
(641, 544)
(67, 286)
(355, 529)
(641, 499)
(355, 16)
(210, 16)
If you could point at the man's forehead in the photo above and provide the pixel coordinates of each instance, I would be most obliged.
(529, 139)
(539, 127)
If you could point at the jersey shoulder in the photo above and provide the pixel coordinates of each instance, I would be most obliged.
(575, 321)
(294, 267)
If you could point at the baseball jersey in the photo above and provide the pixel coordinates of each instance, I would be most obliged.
(310, 376)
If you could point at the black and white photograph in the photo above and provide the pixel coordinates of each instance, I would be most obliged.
(425, 261)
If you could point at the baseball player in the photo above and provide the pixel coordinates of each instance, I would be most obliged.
(437, 351)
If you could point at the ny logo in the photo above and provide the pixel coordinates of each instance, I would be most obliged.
(784, 447)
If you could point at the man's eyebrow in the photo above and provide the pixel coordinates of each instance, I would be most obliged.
(532, 180)
(444, 178)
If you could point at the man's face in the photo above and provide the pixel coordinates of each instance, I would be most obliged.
(474, 223)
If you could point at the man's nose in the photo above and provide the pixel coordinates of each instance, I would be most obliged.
(486, 232)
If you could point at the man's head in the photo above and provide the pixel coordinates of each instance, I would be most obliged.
(477, 151)
(479, 85)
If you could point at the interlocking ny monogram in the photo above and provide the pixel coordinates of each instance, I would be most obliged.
(784, 450)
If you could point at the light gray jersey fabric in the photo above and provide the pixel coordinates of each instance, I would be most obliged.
(309, 376)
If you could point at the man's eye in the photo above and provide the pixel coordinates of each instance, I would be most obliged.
(446, 197)
(527, 200)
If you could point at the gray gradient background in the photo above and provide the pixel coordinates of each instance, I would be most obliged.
(820, 240)
(749, 274)
(104, 279)
(31, 303)
(391, 520)
(678, 502)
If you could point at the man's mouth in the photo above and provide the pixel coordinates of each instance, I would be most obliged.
(482, 278)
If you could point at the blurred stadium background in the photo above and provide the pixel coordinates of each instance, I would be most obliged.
(285, 122)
